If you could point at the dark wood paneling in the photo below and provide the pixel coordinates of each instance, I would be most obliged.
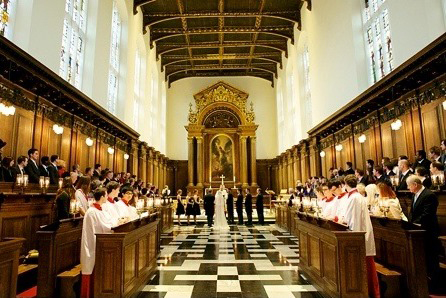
(9, 264)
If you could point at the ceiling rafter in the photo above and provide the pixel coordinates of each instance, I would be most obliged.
(257, 74)
(186, 68)
(156, 18)
(256, 26)
(221, 25)
(138, 3)
(185, 28)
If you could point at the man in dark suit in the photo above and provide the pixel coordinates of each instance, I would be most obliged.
(421, 160)
(388, 168)
(405, 172)
(19, 168)
(43, 168)
(424, 214)
(32, 169)
(349, 170)
(362, 178)
(378, 172)
(259, 207)
(248, 207)
(443, 150)
(208, 203)
(97, 170)
(239, 206)
(52, 169)
(2, 144)
(230, 206)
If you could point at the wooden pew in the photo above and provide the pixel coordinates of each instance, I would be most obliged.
(59, 251)
(21, 214)
(127, 257)
(166, 217)
(9, 265)
(332, 256)
(400, 247)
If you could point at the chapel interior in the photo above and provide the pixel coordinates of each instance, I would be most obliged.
(222, 148)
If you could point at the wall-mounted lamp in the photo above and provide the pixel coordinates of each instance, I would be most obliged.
(58, 129)
(110, 150)
(7, 110)
(444, 105)
(339, 147)
(126, 156)
(322, 154)
(89, 142)
(397, 124)
(362, 138)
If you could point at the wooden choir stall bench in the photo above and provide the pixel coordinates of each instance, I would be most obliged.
(127, 257)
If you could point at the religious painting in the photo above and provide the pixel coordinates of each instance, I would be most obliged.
(222, 158)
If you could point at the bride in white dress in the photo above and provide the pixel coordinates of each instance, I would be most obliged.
(220, 219)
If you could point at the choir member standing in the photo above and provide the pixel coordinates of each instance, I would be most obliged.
(82, 190)
(259, 206)
(230, 206)
(358, 219)
(209, 201)
(110, 205)
(180, 206)
(124, 204)
(332, 201)
(424, 213)
(239, 206)
(32, 169)
(96, 221)
(52, 169)
(248, 207)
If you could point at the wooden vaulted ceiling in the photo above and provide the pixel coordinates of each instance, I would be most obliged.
(203, 38)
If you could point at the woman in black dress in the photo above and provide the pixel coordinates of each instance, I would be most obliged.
(180, 206)
(189, 207)
(197, 210)
(64, 196)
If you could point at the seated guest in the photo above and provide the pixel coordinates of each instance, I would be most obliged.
(110, 206)
(387, 198)
(424, 213)
(378, 172)
(424, 176)
(96, 221)
(421, 160)
(19, 169)
(388, 170)
(357, 218)
(435, 154)
(332, 201)
(349, 169)
(403, 166)
(82, 190)
(64, 196)
(361, 177)
(32, 169)
(6, 169)
(43, 168)
(89, 172)
(52, 169)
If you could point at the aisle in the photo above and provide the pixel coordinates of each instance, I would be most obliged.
(259, 261)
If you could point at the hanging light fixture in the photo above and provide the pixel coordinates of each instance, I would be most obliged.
(89, 142)
(58, 129)
(396, 125)
(322, 154)
(126, 156)
(339, 147)
(6, 110)
(444, 105)
(362, 138)
(110, 150)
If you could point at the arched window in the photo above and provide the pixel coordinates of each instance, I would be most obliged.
(6, 7)
(113, 75)
(73, 42)
(378, 39)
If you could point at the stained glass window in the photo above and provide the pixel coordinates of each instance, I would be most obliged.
(307, 88)
(73, 41)
(113, 76)
(378, 39)
(5, 14)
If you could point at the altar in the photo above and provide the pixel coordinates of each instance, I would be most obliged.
(221, 139)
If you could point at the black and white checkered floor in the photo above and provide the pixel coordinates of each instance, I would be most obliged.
(258, 261)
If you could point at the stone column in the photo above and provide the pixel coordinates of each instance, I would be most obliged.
(161, 172)
(244, 162)
(279, 173)
(190, 162)
(253, 162)
(150, 166)
(290, 168)
(296, 167)
(165, 172)
(284, 171)
(200, 158)
(155, 170)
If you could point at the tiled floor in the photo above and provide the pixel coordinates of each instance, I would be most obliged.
(258, 261)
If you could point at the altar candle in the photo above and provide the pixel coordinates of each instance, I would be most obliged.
(25, 180)
(60, 182)
(47, 182)
(19, 179)
(41, 181)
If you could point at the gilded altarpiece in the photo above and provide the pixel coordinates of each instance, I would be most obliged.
(221, 138)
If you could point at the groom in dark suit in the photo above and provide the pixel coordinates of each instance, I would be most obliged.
(230, 206)
(209, 200)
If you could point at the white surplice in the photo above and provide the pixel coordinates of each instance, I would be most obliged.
(95, 222)
(358, 219)
(220, 202)
(81, 199)
(112, 210)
